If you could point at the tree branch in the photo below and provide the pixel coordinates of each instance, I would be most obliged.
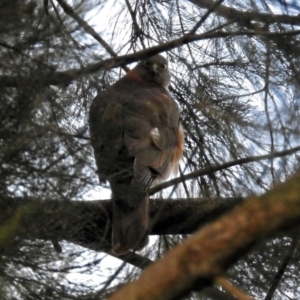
(226, 165)
(87, 223)
(88, 29)
(282, 268)
(246, 16)
(66, 77)
(209, 252)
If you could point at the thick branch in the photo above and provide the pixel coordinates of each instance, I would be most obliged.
(207, 254)
(87, 223)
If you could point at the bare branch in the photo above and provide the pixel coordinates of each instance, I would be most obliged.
(87, 223)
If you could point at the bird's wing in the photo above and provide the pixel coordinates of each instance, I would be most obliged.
(151, 121)
(106, 129)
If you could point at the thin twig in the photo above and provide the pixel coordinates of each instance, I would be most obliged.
(266, 89)
(282, 269)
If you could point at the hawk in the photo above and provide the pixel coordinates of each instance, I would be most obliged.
(137, 138)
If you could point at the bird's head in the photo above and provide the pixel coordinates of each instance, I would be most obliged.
(154, 69)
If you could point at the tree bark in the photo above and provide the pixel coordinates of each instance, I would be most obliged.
(207, 254)
(87, 223)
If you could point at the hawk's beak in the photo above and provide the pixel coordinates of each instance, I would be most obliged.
(154, 69)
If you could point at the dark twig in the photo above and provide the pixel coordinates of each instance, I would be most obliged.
(282, 269)
(206, 15)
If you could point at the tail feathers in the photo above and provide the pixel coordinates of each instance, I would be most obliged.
(130, 225)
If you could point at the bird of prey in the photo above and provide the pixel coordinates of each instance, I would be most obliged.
(137, 138)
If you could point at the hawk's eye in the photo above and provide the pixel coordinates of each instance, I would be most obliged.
(164, 66)
(146, 63)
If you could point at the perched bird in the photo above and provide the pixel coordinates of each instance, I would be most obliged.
(137, 138)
